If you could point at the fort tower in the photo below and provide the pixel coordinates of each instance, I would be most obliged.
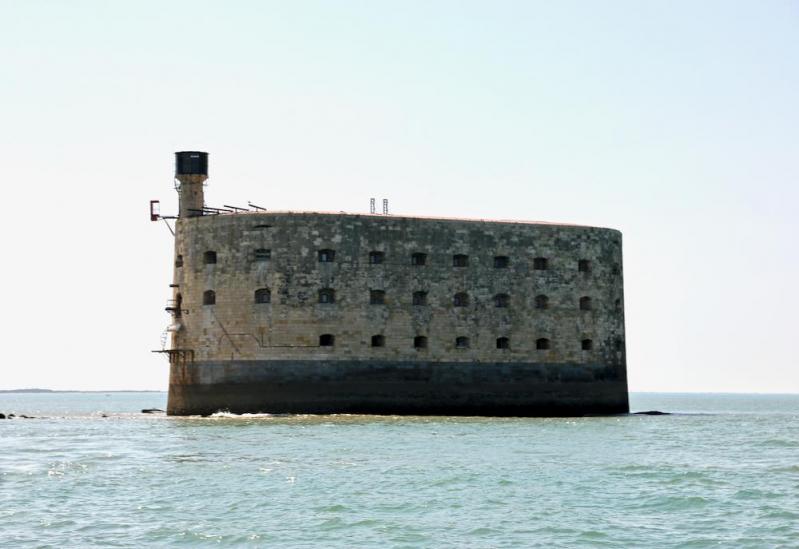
(191, 171)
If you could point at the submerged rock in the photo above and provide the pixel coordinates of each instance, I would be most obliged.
(652, 413)
(12, 416)
(151, 411)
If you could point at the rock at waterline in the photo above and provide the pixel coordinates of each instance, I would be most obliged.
(151, 411)
(2, 416)
(652, 413)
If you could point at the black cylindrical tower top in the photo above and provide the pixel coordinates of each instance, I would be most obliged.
(191, 163)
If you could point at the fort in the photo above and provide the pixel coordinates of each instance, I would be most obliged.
(312, 312)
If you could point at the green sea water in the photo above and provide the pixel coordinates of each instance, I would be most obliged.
(722, 472)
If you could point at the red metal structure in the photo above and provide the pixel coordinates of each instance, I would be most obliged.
(155, 210)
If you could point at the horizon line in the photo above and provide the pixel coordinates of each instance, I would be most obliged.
(41, 390)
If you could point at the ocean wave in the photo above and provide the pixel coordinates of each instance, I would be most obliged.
(231, 415)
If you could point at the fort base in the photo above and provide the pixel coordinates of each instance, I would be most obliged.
(396, 388)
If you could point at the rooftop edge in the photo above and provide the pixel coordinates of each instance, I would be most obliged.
(403, 216)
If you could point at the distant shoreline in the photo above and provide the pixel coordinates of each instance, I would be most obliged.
(77, 391)
(54, 391)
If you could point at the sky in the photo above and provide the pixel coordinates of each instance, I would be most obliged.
(675, 122)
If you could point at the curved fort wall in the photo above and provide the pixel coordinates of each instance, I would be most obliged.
(315, 312)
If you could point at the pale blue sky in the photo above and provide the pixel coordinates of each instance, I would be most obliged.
(675, 122)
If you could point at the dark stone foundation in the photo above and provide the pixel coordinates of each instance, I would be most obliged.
(397, 388)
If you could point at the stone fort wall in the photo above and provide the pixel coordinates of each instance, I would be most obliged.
(578, 271)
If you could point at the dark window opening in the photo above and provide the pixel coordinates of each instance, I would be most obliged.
(501, 262)
(540, 263)
(541, 302)
(503, 343)
(461, 299)
(460, 260)
(616, 269)
(377, 297)
(178, 306)
(420, 298)
(461, 342)
(502, 300)
(209, 258)
(584, 266)
(327, 340)
(375, 258)
(262, 254)
(209, 297)
(542, 344)
(327, 256)
(619, 344)
(263, 295)
(618, 304)
(327, 295)
(378, 341)
(179, 261)
(418, 259)
(587, 344)
(420, 342)
(585, 303)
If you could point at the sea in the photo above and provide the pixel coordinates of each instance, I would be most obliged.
(91, 470)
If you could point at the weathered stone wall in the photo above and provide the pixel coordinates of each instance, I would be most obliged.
(288, 328)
